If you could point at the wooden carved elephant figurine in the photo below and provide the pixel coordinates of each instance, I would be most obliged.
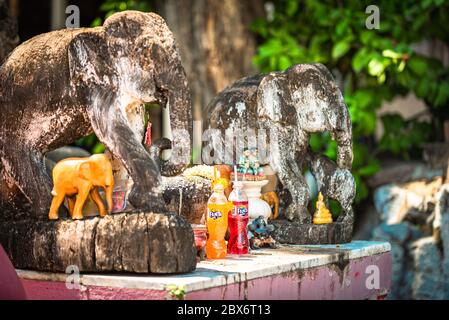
(81, 177)
(273, 200)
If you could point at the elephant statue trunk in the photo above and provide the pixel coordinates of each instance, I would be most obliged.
(172, 81)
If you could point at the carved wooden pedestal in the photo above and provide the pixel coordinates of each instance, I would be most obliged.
(136, 242)
(287, 232)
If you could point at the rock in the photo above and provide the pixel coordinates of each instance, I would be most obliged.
(442, 206)
(398, 233)
(413, 201)
(388, 201)
(436, 154)
(405, 286)
(397, 270)
(403, 172)
(395, 234)
(428, 280)
(443, 210)
(137, 242)
(420, 263)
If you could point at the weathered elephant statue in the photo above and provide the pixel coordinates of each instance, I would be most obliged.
(63, 85)
(290, 106)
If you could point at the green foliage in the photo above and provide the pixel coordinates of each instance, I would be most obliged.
(91, 144)
(400, 135)
(176, 292)
(371, 66)
(109, 7)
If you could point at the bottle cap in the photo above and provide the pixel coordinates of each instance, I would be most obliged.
(238, 184)
(218, 187)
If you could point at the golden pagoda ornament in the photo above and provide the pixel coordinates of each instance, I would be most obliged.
(322, 214)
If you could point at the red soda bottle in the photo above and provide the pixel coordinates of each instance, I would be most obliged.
(238, 220)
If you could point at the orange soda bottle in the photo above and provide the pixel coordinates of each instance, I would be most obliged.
(218, 208)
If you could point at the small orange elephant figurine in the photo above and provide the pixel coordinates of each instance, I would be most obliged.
(81, 177)
(273, 200)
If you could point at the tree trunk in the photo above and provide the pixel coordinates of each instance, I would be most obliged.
(9, 38)
(215, 42)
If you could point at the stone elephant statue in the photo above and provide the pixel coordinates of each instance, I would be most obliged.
(63, 85)
(289, 106)
(81, 177)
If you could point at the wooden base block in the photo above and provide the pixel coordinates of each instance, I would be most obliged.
(131, 242)
(287, 232)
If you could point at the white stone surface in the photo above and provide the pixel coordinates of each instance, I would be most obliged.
(234, 269)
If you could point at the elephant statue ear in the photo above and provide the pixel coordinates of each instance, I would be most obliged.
(90, 62)
(273, 98)
(85, 171)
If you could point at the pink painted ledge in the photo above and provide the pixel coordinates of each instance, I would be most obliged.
(358, 270)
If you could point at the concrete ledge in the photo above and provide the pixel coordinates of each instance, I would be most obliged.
(236, 270)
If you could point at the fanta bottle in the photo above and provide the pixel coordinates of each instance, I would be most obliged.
(217, 223)
(238, 220)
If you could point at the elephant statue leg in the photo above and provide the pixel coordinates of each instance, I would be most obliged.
(344, 147)
(81, 198)
(335, 183)
(71, 201)
(95, 195)
(284, 162)
(123, 143)
(58, 199)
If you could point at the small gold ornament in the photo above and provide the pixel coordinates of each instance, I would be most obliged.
(322, 214)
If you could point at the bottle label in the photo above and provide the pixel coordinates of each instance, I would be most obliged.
(215, 214)
(241, 208)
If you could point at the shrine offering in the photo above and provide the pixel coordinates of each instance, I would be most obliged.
(238, 220)
(322, 214)
(218, 208)
(81, 177)
(200, 233)
(249, 168)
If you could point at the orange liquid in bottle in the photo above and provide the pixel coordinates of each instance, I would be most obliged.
(218, 208)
